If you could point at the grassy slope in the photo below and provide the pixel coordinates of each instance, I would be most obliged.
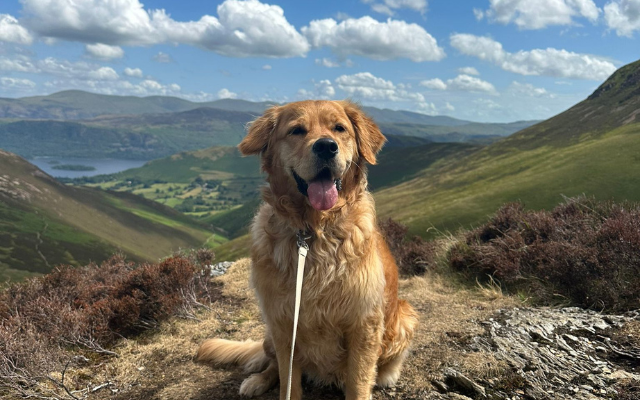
(466, 192)
(79, 225)
(592, 148)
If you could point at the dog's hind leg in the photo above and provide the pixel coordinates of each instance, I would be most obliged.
(257, 384)
(389, 372)
(396, 344)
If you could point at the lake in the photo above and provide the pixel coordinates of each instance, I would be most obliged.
(102, 166)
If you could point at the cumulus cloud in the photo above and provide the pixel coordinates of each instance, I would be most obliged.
(464, 83)
(468, 71)
(527, 89)
(547, 62)
(366, 86)
(104, 51)
(225, 93)
(12, 31)
(623, 16)
(162, 58)
(133, 72)
(388, 6)
(322, 90)
(367, 37)
(435, 84)
(327, 62)
(59, 68)
(16, 83)
(117, 87)
(246, 28)
(527, 14)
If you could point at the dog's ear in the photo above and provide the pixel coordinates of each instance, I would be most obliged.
(259, 132)
(368, 136)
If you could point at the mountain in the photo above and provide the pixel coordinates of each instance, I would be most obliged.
(150, 136)
(592, 149)
(76, 104)
(44, 223)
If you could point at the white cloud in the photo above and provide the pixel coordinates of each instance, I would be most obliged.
(103, 74)
(468, 83)
(468, 71)
(266, 67)
(12, 31)
(436, 84)
(478, 13)
(623, 16)
(16, 83)
(226, 94)
(327, 62)
(163, 58)
(367, 37)
(428, 108)
(527, 89)
(538, 14)
(366, 86)
(464, 83)
(387, 6)
(133, 72)
(104, 51)
(547, 62)
(322, 90)
(117, 87)
(59, 68)
(246, 28)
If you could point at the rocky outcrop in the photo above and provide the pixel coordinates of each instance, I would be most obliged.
(566, 353)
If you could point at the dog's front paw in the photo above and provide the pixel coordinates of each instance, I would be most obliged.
(255, 385)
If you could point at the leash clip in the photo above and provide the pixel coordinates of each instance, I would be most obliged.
(303, 236)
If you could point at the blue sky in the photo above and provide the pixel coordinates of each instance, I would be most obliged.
(482, 60)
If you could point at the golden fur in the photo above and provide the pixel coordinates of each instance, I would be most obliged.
(353, 330)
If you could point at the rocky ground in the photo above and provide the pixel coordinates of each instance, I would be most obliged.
(472, 343)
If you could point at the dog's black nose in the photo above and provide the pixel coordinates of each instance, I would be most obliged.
(325, 148)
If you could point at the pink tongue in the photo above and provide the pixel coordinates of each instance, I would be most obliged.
(322, 194)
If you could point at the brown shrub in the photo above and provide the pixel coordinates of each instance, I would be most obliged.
(583, 252)
(46, 320)
(415, 256)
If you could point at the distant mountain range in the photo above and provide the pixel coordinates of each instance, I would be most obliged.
(81, 124)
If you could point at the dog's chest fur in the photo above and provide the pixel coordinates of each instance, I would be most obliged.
(337, 294)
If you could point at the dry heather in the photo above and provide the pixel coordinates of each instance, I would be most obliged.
(160, 365)
(583, 253)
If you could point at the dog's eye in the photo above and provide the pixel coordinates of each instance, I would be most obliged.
(339, 128)
(298, 130)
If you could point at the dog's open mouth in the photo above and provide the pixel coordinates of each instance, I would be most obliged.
(322, 191)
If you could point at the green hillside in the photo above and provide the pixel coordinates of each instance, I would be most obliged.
(220, 187)
(589, 149)
(44, 223)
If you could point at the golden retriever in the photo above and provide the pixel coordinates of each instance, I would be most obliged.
(353, 330)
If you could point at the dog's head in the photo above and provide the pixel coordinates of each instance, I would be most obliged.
(314, 148)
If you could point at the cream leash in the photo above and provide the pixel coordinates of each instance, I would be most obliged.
(303, 247)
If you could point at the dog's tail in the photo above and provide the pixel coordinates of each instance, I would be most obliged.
(249, 354)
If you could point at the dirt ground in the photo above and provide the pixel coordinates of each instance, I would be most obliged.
(160, 365)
